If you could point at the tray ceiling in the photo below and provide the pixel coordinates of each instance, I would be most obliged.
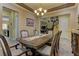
(43, 5)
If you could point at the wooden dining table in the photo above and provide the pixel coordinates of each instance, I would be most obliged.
(36, 41)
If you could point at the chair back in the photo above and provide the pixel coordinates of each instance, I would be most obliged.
(75, 43)
(5, 46)
(55, 43)
(58, 38)
(1, 50)
(50, 32)
(24, 33)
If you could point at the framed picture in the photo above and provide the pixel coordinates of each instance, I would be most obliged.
(29, 22)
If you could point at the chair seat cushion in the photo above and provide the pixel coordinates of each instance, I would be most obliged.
(45, 50)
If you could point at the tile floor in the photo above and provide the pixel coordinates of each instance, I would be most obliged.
(65, 47)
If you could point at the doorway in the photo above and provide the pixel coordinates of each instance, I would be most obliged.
(10, 23)
(64, 26)
(65, 41)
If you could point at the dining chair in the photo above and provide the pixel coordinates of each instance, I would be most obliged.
(75, 43)
(24, 33)
(73, 38)
(1, 51)
(50, 32)
(6, 49)
(51, 50)
(12, 43)
(57, 43)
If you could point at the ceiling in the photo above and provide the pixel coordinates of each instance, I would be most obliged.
(43, 5)
(49, 6)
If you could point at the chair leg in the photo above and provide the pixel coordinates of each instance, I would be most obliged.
(31, 52)
(52, 53)
(56, 53)
(16, 46)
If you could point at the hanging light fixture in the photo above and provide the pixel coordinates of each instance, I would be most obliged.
(40, 11)
(35, 11)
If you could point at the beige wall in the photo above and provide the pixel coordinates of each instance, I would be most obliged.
(78, 13)
(73, 17)
(0, 19)
(72, 11)
(78, 9)
(23, 14)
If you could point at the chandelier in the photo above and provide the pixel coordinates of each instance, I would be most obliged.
(40, 11)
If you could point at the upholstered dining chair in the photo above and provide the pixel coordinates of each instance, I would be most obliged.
(75, 43)
(12, 43)
(50, 32)
(6, 49)
(1, 50)
(59, 39)
(51, 50)
(24, 33)
(57, 43)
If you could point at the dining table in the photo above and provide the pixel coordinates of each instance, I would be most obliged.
(35, 42)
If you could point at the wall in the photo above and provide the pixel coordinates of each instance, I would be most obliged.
(23, 14)
(78, 14)
(0, 18)
(72, 11)
(64, 25)
(78, 9)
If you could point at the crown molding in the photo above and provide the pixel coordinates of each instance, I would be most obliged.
(61, 7)
(25, 6)
(49, 10)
